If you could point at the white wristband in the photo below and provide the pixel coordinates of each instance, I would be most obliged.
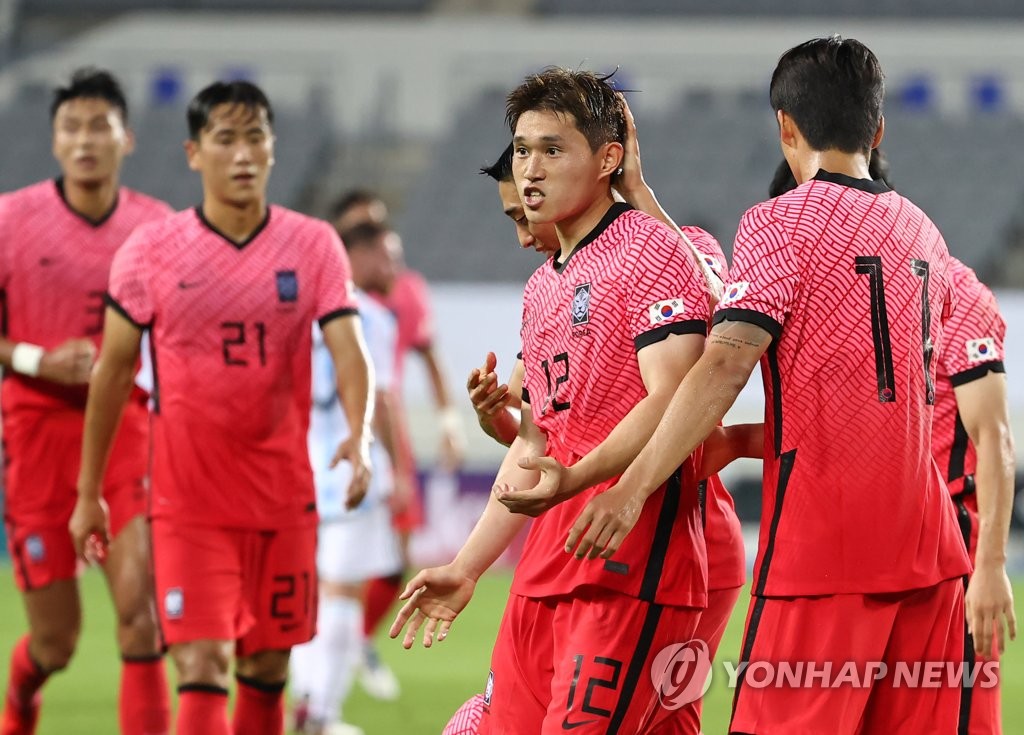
(450, 420)
(26, 357)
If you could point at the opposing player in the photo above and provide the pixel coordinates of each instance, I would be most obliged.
(57, 241)
(722, 532)
(842, 286)
(229, 291)
(610, 326)
(359, 545)
(409, 300)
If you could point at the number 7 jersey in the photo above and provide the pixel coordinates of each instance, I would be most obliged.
(851, 280)
(231, 339)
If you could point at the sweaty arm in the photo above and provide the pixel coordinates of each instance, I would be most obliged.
(984, 411)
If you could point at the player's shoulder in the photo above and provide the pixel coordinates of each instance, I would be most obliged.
(41, 193)
(159, 231)
(148, 206)
(303, 225)
(969, 290)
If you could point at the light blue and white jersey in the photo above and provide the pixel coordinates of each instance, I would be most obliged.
(328, 426)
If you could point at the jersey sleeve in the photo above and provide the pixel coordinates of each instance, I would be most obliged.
(129, 291)
(764, 277)
(335, 294)
(666, 293)
(972, 342)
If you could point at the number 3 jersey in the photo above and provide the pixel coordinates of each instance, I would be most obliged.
(851, 280)
(54, 267)
(231, 340)
(629, 284)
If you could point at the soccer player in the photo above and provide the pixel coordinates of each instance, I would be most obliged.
(722, 531)
(229, 291)
(409, 300)
(842, 286)
(354, 546)
(611, 323)
(57, 241)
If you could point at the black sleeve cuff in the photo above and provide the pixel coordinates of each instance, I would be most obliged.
(519, 355)
(750, 316)
(112, 303)
(331, 316)
(526, 395)
(976, 373)
(659, 334)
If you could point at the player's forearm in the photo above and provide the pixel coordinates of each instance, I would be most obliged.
(437, 383)
(497, 527)
(109, 389)
(356, 391)
(384, 428)
(746, 440)
(994, 479)
(501, 426)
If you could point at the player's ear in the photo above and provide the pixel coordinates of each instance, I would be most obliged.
(611, 158)
(879, 134)
(192, 154)
(788, 132)
(270, 158)
(129, 141)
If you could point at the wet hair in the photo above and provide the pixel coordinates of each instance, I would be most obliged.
(833, 89)
(91, 83)
(242, 93)
(594, 105)
(500, 170)
(783, 180)
(363, 235)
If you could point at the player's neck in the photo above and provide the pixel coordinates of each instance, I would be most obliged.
(854, 165)
(93, 200)
(573, 229)
(237, 222)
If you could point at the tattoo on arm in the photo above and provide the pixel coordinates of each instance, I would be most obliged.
(733, 342)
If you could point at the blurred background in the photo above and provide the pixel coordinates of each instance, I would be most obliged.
(406, 97)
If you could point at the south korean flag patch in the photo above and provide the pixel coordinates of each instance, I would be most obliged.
(734, 292)
(665, 311)
(982, 350)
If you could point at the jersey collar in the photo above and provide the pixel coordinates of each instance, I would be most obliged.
(238, 245)
(610, 216)
(871, 186)
(59, 183)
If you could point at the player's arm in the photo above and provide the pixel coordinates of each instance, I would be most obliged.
(728, 443)
(436, 596)
(985, 414)
(698, 405)
(112, 381)
(452, 440)
(662, 367)
(68, 364)
(491, 401)
(343, 337)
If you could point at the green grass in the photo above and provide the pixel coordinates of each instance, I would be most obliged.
(435, 682)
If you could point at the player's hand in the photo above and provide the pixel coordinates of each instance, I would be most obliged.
(356, 451)
(90, 529)
(453, 446)
(70, 363)
(632, 178)
(990, 599)
(486, 395)
(401, 493)
(434, 596)
(717, 452)
(604, 523)
(553, 488)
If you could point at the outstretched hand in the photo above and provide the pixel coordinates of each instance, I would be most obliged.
(435, 596)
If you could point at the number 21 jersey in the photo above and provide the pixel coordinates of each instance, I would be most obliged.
(231, 341)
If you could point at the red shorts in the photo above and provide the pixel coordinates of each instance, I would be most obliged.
(42, 453)
(581, 663)
(258, 588)
(980, 707)
(882, 663)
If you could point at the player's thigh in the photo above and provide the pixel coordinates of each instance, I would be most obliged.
(42, 452)
(280, 589)
(124, 484)
(927, 635)
(606, 649)
(794, 651)
(40, 555)
(518, 684)
(361, 547)
(198, 582)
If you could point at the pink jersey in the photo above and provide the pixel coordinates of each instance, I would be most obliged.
(54, 266)
(629, 284)
(231, 352)
(972, 347)
(409, 301)
(851, 280)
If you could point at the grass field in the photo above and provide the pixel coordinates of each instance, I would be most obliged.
(82, 700)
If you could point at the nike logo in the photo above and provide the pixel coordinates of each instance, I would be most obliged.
(189, 284)
(566, 725)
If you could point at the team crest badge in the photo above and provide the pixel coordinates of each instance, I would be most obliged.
(287, 287)
(982, 350)
(665, 311)
(581, 305)
(174, 603)
(489, 689)
(35, 548)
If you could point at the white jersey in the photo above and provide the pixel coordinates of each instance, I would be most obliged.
(328, 425)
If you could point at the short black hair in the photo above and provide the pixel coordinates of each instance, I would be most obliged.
(89, 82)
(353, 198)
(596, 107)
(364, 234)
(238, 92)
(500, 170)
(783, 179)
(833, 89)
